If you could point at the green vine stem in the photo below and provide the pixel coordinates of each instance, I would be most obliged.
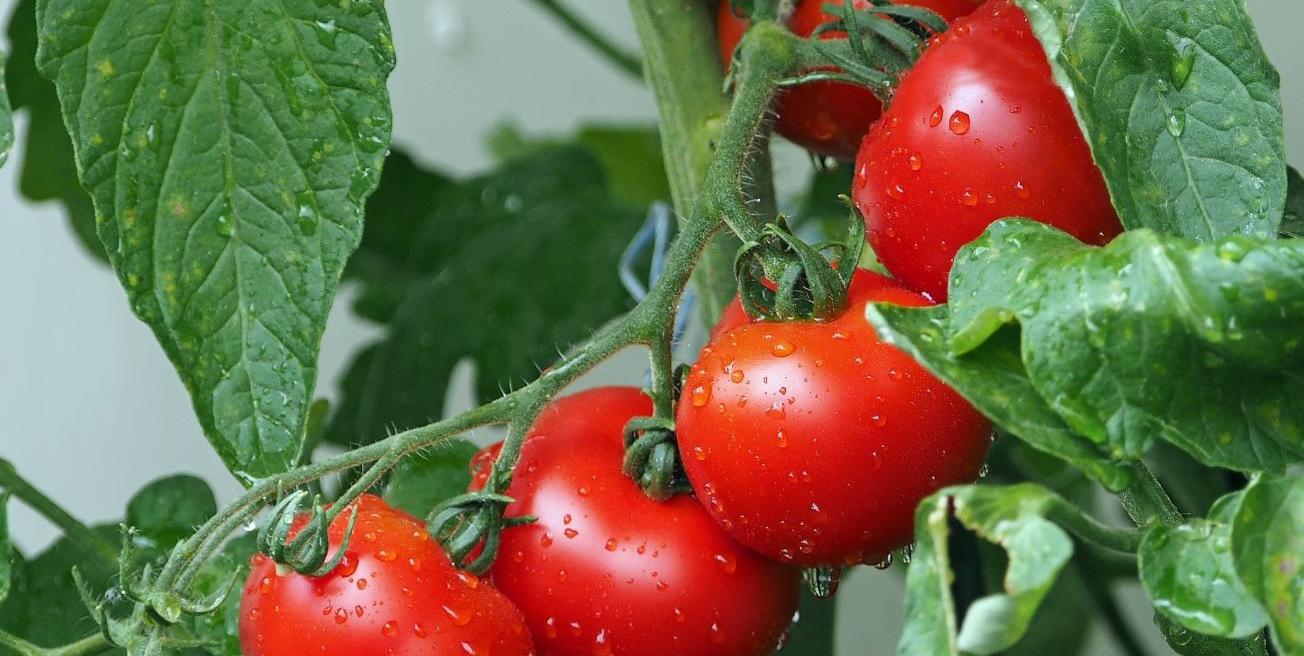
(1088, 528)
(92, 644)
(103, 553)
(618, 56)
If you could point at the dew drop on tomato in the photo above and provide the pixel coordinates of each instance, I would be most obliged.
(959, 122)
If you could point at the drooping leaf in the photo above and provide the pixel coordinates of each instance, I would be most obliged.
(1010, 516)
(421, 481)
(1268, 548)
(6, 550)
(1181, 107)
(1292, 224)
(1148, 338)
(48, 171)
(993, 379)
(532, 271)
(1189, 574)
(228, 148)
(169, 509)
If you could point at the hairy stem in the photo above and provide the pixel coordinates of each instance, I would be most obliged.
(618, 56)
(91, 644)
(103, 553)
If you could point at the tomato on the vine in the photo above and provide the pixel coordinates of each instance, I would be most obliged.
(607, 570)
(977, 131)
(829, 118)
(394, 592)
(812, 442)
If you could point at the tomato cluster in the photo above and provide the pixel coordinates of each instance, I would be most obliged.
(807, 443)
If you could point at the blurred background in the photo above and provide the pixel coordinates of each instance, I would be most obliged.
(90, 408)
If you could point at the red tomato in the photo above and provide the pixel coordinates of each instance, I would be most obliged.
(812, 443)
(607, 570)
(829, 118)
(396, 592)
(976, 132)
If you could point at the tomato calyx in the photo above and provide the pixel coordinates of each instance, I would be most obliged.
(652, 457)
(809, 284)
(306, 552)
(469, 528)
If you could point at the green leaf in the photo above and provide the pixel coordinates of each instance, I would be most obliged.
(630, 156)
(49, 171)
(169, 509)
(1180, 106)
(50, 611)
(1148, 338)
(1292, 225)
(6, 550)
(509, 268)
(420, 482)
(1188, 572)
(993, 379)
(1268, 548)
(6, 117)
(1010, 516)
(229, 148)
(814, 633)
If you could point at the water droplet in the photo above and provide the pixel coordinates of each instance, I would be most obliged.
(679, 616)
(935, 118)
(419, 631)
(1177, 123)
(959, 122)
(782, 349)
(969, 198)
(389, 628)
(570, 533)
(727, 563)
(583, 491)
(885, 563)
(265, 585)
(776, 410)
(1021, 192)
(386, 555)
(717, 636)
(341, 616)
(566, 519)
(781, 439)
(700, 395)
(698, 453)
(361, 584)
(545, 540)
(736, 376)
(1183, 62)
(611, 544)
(895, 192)
(982, 471)
(915, 161)
(600, 646)
(459, 619)
(470, 580)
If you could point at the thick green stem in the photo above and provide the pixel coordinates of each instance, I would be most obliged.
(682, 65)
(1146, 501)
(93, 643)
(103, 553)
(625, 61)
(1087, 528)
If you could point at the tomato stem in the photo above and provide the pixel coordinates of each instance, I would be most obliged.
(91, 644)
(619, 57)
(103, 553)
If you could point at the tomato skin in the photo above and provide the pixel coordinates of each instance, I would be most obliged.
(812, 443)
(977, 131)
(828, 118)
(395, 593)
(607, 570)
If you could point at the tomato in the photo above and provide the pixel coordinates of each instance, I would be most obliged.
(395, 592)
(829, 118)
(812, 443)
(976, 132)
(607, 570)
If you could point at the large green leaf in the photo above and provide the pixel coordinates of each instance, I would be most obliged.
(630, 156)
(1188, 572)
(50, 611)
(1180, 105)
(1010, 516)
(49, 170)
(228, 148)
(506, 270)
(1148, 338)
(1268, 548)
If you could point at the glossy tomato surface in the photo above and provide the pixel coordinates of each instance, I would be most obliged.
(607, 570)
(976, 132)
(394, 593)
(812, 443)
(829, 118)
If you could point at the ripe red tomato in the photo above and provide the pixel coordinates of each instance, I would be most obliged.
(812, 443)
(395, 592)
(976, 132)
(829, 118)
(607, 570)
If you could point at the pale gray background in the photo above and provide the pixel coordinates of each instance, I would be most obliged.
(90, 408)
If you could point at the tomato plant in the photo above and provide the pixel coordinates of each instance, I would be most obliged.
(977, 131)
(393, 591)
(641, 564)
(828, 118)
(851, 432)
(1085, 241)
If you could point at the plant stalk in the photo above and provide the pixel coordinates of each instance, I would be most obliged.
(618, 56)
(102, 553)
